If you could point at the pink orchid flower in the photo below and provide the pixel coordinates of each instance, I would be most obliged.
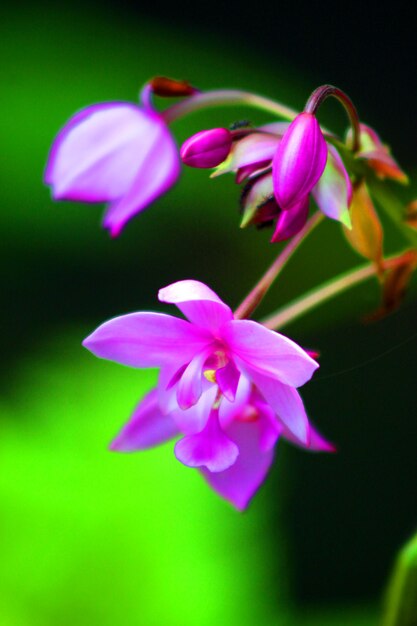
(115, 152)
(211, 350)
(282, 165)
(232, 445)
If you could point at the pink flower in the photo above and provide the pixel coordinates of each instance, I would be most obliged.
(211, 350)
(232, 445)
(114, 152)
(282, 164)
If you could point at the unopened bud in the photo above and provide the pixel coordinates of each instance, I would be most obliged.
(207, 148)
(171, 88)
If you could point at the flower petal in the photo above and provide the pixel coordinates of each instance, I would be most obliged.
(96, 156)
(157, 167)
(227, 378)
(194, 419)
(239, 483)
(286, 403)
(317, 443)
(255, 148)
(147, 427)
(189, 387)
(290, 222)
(228, 410)
(210, 447)
(333, 192)
(147, 340)
(269, 427)
(268, 352)
(198, 302)
(299, 161)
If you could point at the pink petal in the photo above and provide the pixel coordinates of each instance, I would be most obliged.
(158, 167)
(210, 447)
(317, 443)
(269, 427)
(249, 171)
(268, 352)
(96, 156)
(333, 192)
(286, 403)
(146, 428)
(290, 222)
(228, 410)
(169, 375)
(194, 419)
(197, 302)
(239, 483)
(299, 161)
(255, 148)
(227, 378)
(189, 387)
(147, 340)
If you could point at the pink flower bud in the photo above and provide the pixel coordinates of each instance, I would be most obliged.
(299, 161)
(207, 148)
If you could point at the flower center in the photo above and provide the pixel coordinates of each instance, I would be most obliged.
(217, 360)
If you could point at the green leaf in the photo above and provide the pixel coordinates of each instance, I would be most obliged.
(401, 600)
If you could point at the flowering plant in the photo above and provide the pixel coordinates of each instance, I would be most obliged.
(227, 384)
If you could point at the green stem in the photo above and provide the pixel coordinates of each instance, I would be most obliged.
(226, 97)
(328, 290)
(401, 600)
(254, 298)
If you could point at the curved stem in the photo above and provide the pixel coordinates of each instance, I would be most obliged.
(325, 91)
(255, 297)
(328, 290)
(226, 97)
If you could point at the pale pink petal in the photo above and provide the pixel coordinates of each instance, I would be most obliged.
(189, 387)
(290, 222)
(268, 352)
(229, 410)
(147, 340)
(210, 447)
(227, 378)
(198, 302)
(317, 443)
(299, 161)
(286, 403)
(255, 148)
(146, 428)
(269, 427)
(96, 156)
(169, 376)
(157, 167)
(194, 419)
(333, 192)
(239, 483)
(276, 128)
(252, 170)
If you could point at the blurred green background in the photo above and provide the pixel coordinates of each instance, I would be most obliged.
(95, 538)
